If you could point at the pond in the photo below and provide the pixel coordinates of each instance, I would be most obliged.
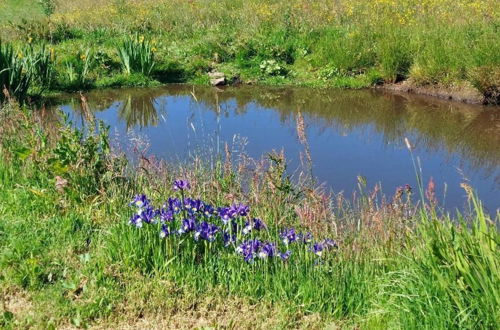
(346, 133)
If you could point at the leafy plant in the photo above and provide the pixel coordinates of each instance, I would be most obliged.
(137, 55)
(48, 6)
(272, 68)
(78, 69)
(15, 78)
(40, 62)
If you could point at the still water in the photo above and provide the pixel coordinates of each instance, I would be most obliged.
(348, 133)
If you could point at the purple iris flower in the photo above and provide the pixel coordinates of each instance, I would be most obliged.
(187, 226)
(188, 203)
(324, 245)
(288, 236)
(208, 210)
(148, 215)
(181, 185)
(136, 221)
(164, 232)
(306, 238)
(196, 205)
(284, 256)
(249, 249)
(228, 238)
(240, 209)
(140, 201)
(318, 248)
(166, 214)
(174, 204)
(258, 224)
(193, 205)
(226, 214)
(268, 250)
(206, 231)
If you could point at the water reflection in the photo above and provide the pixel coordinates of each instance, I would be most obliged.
(463, 136)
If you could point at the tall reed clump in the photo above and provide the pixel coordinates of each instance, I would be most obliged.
(15, 78)
(452, 278)
(40, 62)
(137, 55)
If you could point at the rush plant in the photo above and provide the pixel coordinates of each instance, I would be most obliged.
(137, 55)
(15, 78)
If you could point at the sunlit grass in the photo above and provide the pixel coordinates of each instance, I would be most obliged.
(66, 243)
(341, 43)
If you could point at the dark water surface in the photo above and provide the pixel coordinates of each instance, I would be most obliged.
(349, 133)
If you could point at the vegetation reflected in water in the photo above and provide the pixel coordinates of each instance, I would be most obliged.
(462, 136)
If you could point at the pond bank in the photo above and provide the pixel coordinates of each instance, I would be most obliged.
(346, 44)
(464, 93)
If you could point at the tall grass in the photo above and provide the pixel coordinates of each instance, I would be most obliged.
(84, 260)
(27, 71)
(15, 78)
(41, 62)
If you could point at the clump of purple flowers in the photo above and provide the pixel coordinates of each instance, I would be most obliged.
(255, 248)
(229, 225)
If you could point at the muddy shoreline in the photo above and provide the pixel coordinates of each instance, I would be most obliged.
(462, 94)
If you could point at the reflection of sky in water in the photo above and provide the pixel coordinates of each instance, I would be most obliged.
(340, 152)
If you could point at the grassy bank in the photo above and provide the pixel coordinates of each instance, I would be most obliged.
(72, 253)
(449, 44)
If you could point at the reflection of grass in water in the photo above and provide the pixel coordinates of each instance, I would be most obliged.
(138, 112)
(470, 131)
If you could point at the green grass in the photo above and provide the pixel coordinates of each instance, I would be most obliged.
(68, 256)
(16, 10)
(351, 44)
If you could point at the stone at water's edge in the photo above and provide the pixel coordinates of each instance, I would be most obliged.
(217, 78)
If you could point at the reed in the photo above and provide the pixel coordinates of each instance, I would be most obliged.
(137, 55)
(15, 77)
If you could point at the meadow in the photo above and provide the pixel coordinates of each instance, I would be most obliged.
(90, 238)
(451, 45)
